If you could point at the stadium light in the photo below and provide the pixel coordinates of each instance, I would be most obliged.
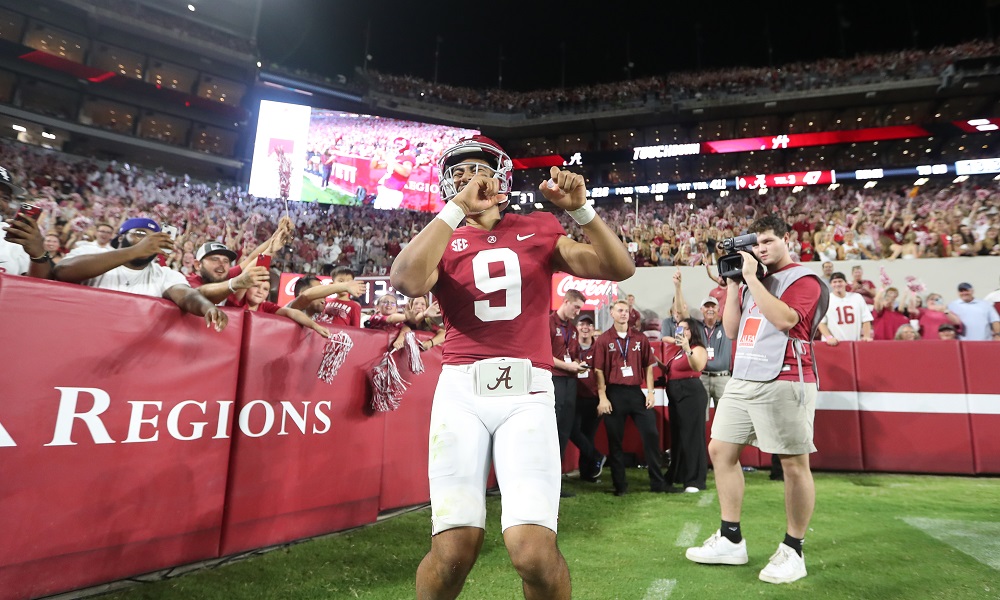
(997, 178)
(628, 199)
(49, 136)
(797, 189)
(921, 181)
(538, 205)
(833, 186)
(515, 207)
(870, 184)
(762, 191)
(19, 128)
(191, 7)
(960, 179)
(692, 195)
(723, 193)
(659, 197)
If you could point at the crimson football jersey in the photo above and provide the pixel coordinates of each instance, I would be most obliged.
(494, 290)
(346, 313)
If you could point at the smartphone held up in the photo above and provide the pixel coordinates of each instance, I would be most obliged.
(170, 230)
(28, 210)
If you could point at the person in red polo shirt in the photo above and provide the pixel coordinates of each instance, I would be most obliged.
(623, 363)
(688, 404)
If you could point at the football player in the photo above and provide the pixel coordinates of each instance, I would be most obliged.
(491, 273)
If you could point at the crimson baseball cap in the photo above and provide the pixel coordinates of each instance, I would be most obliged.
(209, 248)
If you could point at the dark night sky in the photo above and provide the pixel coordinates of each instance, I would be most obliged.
(328, 36)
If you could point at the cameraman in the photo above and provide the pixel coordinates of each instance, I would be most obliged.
(770, 401)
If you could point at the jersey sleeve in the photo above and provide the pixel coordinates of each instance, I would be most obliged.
(866, 312)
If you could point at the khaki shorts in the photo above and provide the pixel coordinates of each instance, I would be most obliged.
(769, 415)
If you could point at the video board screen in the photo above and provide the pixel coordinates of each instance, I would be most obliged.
(335, 157)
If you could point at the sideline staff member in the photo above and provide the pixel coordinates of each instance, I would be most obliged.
(623, 363)
(771, 400)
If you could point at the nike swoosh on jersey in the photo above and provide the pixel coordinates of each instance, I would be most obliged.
(521, 238)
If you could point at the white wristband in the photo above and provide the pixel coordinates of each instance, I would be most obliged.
(231, 289)
(452, 214)
(583, 215)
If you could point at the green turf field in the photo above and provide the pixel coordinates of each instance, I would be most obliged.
(331, 195)
(872, 537)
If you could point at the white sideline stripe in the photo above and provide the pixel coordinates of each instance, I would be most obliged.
(914, 403)
(984, 404)
(687, 536)
(660, 589)
(837, 401)
(978, 539)
(706, 499)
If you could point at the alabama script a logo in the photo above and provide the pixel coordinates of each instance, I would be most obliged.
(503, 378)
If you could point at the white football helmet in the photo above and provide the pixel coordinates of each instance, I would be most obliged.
(481, 147)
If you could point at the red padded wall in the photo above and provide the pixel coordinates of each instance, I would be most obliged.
(81, 514)
(914, 411)
(293, 485)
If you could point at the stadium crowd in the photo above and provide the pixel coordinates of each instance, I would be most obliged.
(85, 203)
(698, 85)
(847, 223)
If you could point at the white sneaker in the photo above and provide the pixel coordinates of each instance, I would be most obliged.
(785, 566)
(691, 490)
(718, 550)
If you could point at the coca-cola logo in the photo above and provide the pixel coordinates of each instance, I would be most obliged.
(593, 289)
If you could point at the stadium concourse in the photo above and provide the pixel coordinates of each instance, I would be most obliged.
(737, 82)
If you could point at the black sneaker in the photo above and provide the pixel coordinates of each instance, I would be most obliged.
(621, 492)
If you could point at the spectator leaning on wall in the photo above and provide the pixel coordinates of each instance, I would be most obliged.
(132, 268)
(980, 321)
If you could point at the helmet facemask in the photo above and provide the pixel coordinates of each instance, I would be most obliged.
(456, 163)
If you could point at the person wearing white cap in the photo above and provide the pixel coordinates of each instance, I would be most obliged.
(217, 277)
(132, 268)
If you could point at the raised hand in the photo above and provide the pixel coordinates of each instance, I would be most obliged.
(154, 243)
(251, 277)
(479, 195)
(565, 189)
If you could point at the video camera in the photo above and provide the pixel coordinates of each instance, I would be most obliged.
(731, 265)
